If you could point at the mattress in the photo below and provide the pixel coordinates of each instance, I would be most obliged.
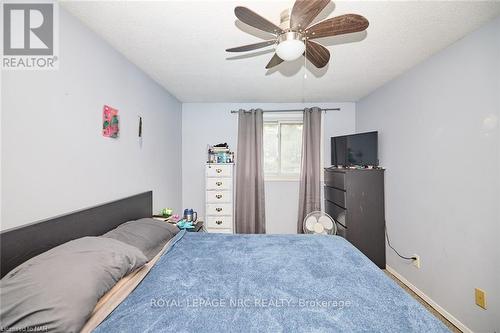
(267, 283)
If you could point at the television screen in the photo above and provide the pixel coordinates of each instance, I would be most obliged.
(355, 149)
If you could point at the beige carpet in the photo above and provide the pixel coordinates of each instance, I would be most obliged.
(450, 326)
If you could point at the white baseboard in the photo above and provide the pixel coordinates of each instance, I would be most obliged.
(429, 301)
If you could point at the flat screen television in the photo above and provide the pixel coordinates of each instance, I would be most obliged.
(356, 149)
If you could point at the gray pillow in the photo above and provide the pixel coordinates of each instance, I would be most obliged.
(57, 290)
(147, 234)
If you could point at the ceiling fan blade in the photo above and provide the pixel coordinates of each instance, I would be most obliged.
(253, 19)
(339, 25)
(275, 61)
(317, 54)
(250, 47)
(304, 12)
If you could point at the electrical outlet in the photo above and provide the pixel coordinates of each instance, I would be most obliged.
(416, 262)
(480, 298)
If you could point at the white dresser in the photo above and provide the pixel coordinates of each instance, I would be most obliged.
(219, 207)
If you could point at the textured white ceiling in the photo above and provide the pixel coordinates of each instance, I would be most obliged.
(181, 44)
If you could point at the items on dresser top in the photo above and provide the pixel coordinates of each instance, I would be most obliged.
(219, 208)
(355, 200)
(220, 153)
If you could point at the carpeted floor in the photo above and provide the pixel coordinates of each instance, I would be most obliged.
(451, 327)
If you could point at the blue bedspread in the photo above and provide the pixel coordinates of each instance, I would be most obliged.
(267, 283)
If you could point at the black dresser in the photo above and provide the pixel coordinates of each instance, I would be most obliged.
(354, 198)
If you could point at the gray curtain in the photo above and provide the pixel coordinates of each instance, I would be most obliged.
(310, 169)
(250, 217)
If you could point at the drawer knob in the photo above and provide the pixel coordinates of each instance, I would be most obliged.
(218, 170)
(219, 196)
(218, 222)
(218, 209)
(218, 183)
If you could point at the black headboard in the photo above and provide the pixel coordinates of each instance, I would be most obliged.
(20, 244)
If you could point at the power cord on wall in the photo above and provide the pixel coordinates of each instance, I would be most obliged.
(389, 243)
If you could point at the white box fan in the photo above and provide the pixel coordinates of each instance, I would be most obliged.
(318, 222)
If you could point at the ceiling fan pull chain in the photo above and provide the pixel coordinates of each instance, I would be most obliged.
(305, 74)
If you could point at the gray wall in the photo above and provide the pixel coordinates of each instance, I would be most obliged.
(440, 143)
(210, 123)
(54, 158)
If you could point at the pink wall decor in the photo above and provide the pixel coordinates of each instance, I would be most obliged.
(110, 124)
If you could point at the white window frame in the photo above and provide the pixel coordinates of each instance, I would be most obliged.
(282, 118)
(282, 176)
(291, 118)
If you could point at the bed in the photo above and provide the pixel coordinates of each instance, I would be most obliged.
(261, 283)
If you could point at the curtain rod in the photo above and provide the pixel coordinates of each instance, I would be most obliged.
(296, 110)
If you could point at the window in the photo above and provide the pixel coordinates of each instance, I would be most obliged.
(282, 147)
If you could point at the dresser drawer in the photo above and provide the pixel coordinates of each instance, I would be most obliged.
(219, 183)
(219, 209)
(336, 212)
(335, 179)
(335, 195)
(219, 170)
(219, 196)
(220, 222)
(220, 231)
(341, 230)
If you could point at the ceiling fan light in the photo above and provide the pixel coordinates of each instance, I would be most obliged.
(290, 46)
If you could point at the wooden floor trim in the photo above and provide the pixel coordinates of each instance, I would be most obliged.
(429, 301)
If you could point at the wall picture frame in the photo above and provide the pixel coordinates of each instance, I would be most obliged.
(110, 122)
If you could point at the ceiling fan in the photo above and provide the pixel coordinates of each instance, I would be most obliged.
(293, 37)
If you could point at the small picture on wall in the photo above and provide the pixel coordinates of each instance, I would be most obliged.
(140, 126)
(110, 123)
